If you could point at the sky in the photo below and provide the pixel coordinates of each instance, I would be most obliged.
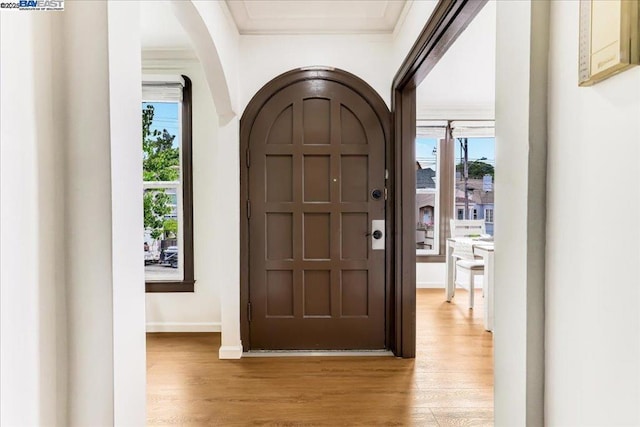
(165, 117)
(478, 148)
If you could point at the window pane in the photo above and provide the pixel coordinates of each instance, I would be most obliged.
(427, 210)
(162, 235)
(161, 141)
(163, 239)
(475, 195)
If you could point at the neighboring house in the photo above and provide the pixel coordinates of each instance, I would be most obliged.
(481, 202)
(425, 178)
(425, 195)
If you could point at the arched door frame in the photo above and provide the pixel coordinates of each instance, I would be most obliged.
(246, 122)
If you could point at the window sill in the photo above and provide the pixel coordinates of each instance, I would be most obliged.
(431, 258)
(170, 286)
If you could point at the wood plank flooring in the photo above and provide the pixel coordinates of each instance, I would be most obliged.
(449, 383)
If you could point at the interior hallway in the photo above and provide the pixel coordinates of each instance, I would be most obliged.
(449, 383)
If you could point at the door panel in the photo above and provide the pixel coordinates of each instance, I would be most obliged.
(317, 151)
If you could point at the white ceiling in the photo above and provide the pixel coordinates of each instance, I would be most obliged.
(462, 84)
(160, 30)
(315, 16)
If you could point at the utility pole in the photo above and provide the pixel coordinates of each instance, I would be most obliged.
(464, 147)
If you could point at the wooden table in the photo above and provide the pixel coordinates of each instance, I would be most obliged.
(485, 250)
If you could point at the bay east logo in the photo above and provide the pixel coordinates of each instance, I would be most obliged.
(41, 4)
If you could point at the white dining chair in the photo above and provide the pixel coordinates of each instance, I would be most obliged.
(467, 263)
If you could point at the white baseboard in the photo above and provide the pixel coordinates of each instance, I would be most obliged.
(429, 285)
(230, 352)
(183, 327)
(437, 285)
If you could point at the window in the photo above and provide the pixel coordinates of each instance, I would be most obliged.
(475, 171)
(454, 179)
(488, 216)
(167, 177)
(427, 192)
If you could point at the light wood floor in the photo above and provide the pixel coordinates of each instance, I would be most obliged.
(449, 383)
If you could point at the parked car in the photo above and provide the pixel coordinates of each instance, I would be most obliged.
(169, 257)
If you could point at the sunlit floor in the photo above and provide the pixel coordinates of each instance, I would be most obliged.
(449, 383)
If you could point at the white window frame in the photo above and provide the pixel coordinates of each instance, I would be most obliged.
(486, 215)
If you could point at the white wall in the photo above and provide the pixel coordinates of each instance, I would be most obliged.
(198, 311)
(32, 337)
(592, 291)
(409, 26)
(265, 57)
(430, 274)
(213, 37)
(105, 292)
(462, 84)
(72, 296)
(521, 69)
(227, 227)
(88, 213)
(129, 340)
(225, 36)
(221, 68)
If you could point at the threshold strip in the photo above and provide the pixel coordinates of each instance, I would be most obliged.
(321, 353)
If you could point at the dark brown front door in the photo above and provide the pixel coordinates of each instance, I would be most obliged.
(316, 156)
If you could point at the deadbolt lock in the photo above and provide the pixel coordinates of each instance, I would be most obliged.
(376, 194)
(377, 236)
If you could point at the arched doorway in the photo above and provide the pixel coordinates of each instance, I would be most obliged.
(313, 197)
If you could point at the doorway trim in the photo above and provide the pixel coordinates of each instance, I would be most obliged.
(246, 122)
(447, 22)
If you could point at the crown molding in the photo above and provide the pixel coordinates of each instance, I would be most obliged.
(299, 20)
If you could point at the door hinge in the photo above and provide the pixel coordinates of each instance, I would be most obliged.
(248, 209)
(386, 174)
(248, 157)
(249, 311)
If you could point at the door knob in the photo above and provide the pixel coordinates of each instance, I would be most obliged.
(377, 234)
(376, 194)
